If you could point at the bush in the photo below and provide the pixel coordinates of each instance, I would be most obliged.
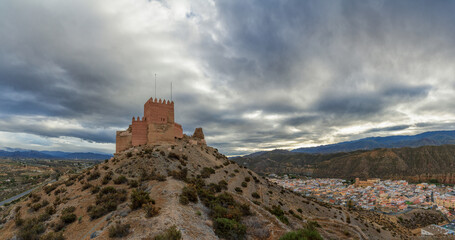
(309, 232)
(239, 190)
(94, 175)
(68, 218)
(44, 217)
(107, 178)
(53, 236)
(229, 229)
(247, 179)
(138, 198)
(279, 213)
(86, 186)
(184, 200)
(255, 195)
(133, 183)
(150, 210)
(171, 233)
(180, 175)
(119, 230)
(49, 188)
(31, 229)
(189, 193)
(206, 172)
(223, 184)
(68, 210)
(106, 201)
(120, 180)
(244, 184)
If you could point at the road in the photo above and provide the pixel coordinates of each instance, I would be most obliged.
(23, 193)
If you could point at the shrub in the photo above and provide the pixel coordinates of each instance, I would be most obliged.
(244, 184)
(214, 188)
(106, 201)
(223, 184)
(183, 200)
(188, 193)
(53, 236)
(31, 229)
(279, 213)
(299, 210)
(247, 179)
(171, 233)
(119, 230)
(68, 210)
(34, 197)
(138, 198)
(95, 189)
(94, 175)
(150, 210)
(18, 220)
(120, 180)
(309, 232)
(236, 170)
(44, 217)
(239, 190)
(206, 172)
(180, 175)
(255, 195)
(229, 229)
(129, 154)
(86, 186)
(133, 183)
(49, 188)
(68, 218)
(107, 178)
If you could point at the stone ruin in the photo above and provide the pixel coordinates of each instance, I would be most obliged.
(156, 126)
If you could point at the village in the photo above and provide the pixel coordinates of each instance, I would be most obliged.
(392, 197)
(386, 196)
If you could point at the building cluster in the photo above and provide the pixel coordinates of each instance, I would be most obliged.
(387, 196)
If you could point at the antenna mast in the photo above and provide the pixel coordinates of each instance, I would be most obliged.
(171, 91)
(155, 85)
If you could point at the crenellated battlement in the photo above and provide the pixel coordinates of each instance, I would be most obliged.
(159, 101)
(139, 120)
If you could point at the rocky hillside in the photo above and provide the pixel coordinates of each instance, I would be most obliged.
(413, 164)
(178, 191)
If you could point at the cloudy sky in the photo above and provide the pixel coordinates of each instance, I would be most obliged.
(255, 74)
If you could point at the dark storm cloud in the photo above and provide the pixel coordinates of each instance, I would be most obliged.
(254, 74)
(388, 129)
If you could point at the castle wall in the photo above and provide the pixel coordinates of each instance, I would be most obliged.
(156, 126)
(178, 130)
(122, 141)
(161, 133)
(139, 132)
(159, 111)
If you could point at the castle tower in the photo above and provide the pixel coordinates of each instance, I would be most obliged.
(157, 125)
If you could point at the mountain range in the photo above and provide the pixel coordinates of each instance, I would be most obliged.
(24, 153)
(435, 138)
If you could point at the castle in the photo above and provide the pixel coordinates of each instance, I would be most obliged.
(157, 125)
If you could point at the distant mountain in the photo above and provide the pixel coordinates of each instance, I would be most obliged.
(436, 138)
(23, 153)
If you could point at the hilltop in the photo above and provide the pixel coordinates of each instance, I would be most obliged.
(182, 188)
(435, 138)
